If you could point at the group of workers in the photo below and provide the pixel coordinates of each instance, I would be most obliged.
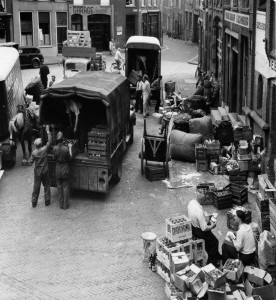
(62, 155)
(240, 245)
(144, 90)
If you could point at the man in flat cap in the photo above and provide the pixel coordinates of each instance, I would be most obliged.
(41, 170)
(62, 156)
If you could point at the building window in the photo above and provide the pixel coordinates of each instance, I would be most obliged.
(155, 2)
(44, 28)
(130, 2)
(104, 3)
(149, 2)
(244, 3)
(26, 23)
(227, 2)
(235, 3)
(61, 29)
(187, 19)
(262, 5)
(76, 22)
(143, 3)
(260, 95)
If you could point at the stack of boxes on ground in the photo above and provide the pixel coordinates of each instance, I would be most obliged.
(181, 262)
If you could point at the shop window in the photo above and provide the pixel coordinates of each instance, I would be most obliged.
(76, 22)
(235, 3)
(26, 23)
(44, 28)
(130, 2)
(227, 2)
(262, 5)
(260, 95)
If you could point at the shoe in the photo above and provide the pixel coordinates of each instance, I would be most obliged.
(34, 204)
(47, 203)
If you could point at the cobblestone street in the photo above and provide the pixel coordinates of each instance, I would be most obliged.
(94, 249)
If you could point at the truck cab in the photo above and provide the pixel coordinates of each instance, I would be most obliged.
(74, 65)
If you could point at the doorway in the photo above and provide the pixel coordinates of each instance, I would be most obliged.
(99, 27)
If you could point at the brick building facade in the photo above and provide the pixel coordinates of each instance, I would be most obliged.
(44, 23)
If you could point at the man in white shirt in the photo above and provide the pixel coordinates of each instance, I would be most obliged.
(202, 229)
(146, 92)
(118, 58)
(242, 245)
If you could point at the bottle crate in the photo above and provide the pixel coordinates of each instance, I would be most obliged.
(202, 165)
(178, 228)
(200, 152)
(213, 147)
(222, 199)
(205, 193)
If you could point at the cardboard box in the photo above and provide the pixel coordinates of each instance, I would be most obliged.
(183, 278)
(213, 276)
(179, 261)
(217, 293)
(233, 268)
(259, 282)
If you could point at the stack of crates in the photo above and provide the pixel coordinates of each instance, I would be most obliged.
(222, 199)
(98, 144)
(263, 212)
(97, 63)
(239, 193)
(272, 210)
(238, 177)
(201, 158)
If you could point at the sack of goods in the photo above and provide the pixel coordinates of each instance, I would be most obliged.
(182, 145)
(202, 126)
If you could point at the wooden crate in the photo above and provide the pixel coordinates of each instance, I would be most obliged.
(213, 158)
(213, 148)
(202, 165)
(178, 228)
(242, 133)
(155, 173)
(222, 199)
(200, 152)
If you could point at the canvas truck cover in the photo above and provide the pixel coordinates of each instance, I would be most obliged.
(108, 89)
(11, 87)
(143, 42)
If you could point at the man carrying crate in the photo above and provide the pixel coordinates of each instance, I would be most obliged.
(203, 230)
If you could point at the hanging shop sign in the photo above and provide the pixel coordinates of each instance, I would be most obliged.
(89, 9)
(239, 19)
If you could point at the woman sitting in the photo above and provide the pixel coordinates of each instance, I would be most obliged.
(242, 245)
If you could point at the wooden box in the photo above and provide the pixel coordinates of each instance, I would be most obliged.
(202, 165)
(155, 173)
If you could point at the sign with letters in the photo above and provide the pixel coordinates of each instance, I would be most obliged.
(237, 18)
(89, 9)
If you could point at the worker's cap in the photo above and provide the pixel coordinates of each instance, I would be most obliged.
(59, 136)
(38, 142)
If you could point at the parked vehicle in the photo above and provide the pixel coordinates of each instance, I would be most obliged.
(11, 95)
(107, 123)
(143, 55)
(30, 56)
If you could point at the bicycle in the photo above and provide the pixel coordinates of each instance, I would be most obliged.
(114, 67)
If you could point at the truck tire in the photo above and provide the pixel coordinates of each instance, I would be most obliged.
(9, 155)
(116, 176)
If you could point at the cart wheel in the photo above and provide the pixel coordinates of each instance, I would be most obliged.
(142, 154)
(116, 177)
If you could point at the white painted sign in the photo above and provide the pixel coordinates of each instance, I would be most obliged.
(239, 19)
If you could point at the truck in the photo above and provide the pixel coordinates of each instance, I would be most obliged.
(78, 54)
(11, 96)
(108, 124)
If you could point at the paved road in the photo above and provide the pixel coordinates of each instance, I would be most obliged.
(94, 249)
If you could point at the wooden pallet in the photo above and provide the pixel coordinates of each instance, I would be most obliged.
(78, 38)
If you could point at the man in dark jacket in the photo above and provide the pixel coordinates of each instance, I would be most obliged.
(157, 90)
(62, 156)
(44, 72)
(41, 171)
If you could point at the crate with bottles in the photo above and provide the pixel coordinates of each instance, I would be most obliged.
(178, 228)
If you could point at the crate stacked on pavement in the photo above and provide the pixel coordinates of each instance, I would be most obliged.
(238, 177)
(204, 193)
(239, 193)
(98, 144)
(222, 199)
(232, 222)
(262, 210)
(155, 173)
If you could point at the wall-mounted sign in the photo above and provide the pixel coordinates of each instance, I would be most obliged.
(240, 19)
(78, 2)
(119, 30)
(89, 9)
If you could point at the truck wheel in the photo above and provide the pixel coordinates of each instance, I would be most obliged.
(116, 176)
(36, 63)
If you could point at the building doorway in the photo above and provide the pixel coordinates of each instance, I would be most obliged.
(234, 83)
(130, 26)
(99, 27)
(61, 30)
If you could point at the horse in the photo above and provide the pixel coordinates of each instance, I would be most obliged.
(23, 126)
